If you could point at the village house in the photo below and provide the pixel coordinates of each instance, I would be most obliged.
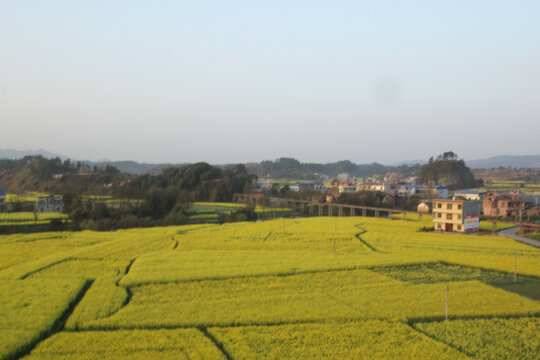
(458, 215)
(391, 177)
(470, 194)
(320, 187)
(369, 186)
(406, 190)
(507, 205)
(294, 187)
(432, 192)
(347, 189)
(307, 185)
(52, 203)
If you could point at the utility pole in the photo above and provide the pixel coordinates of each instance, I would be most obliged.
(446, 302)
(520, 224)
(515, 267)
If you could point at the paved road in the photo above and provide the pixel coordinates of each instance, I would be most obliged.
(511, 233)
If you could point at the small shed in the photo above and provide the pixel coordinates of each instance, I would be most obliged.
(425, 207)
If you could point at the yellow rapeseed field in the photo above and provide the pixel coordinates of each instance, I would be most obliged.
(313, 288)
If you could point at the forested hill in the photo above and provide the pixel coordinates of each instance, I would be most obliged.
(447, 170)
(294, 169)
(195, 182)
(37, 173)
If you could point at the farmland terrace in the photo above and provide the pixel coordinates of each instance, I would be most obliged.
(325, 287)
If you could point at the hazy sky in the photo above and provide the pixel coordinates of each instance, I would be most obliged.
(237, 81)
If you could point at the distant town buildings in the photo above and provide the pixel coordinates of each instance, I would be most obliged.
(395, 189)
(52, 203)
(457, 215)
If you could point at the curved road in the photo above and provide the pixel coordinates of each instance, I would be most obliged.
(511, 233)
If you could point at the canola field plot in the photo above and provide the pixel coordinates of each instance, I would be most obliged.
(328, 287)
(164, 267)
(353, 340)
(307, 298)
(126, 345)
(28, 218)
(496, 338)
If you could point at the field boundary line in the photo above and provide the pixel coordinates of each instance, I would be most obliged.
(364, 242)
(45, 267)
(216, 342)
(336, 320)
(429, 319)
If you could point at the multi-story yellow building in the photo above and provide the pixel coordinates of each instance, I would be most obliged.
(458, 215)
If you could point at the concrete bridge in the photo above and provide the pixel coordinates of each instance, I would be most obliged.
(320, 209)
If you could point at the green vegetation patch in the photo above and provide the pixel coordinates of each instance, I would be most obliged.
(437, 272)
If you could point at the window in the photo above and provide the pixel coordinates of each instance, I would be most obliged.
(449, 206)
(439, 205)
(459, 227)
(459, 216)
(439, 215)
(460, 206)
(438, 226)
(449, 216)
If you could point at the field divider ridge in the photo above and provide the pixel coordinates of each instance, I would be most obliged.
(216, 342)
(364, 242)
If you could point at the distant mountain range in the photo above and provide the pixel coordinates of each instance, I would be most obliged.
(18, 154)
(514, 161)
(133, 167)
